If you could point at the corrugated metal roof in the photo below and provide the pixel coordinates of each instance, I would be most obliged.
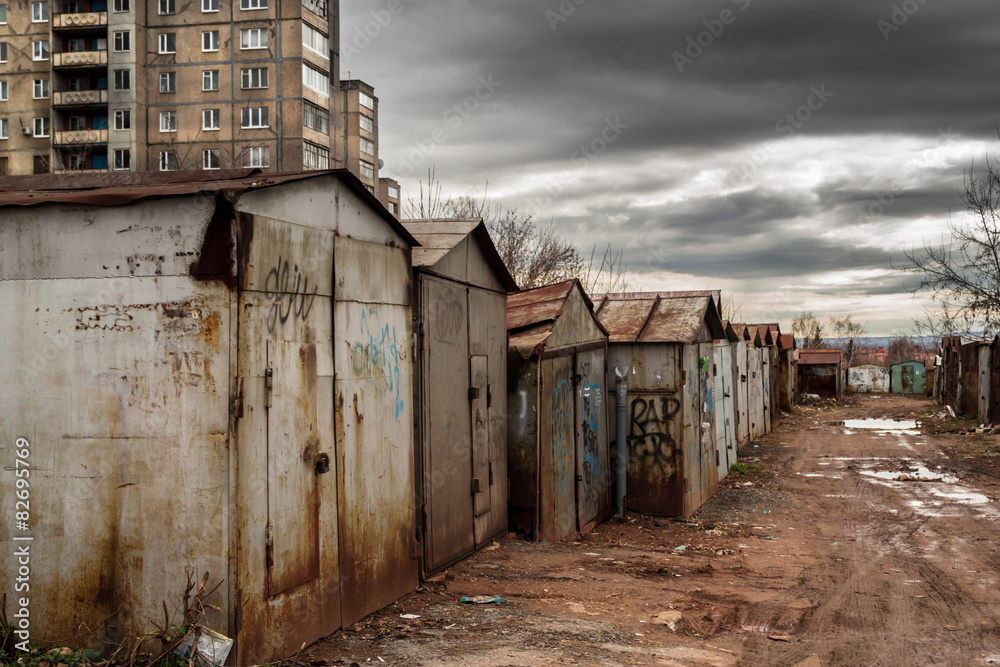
(659, 317)
(531, 314)
(438, 237)
(787, 342)
(536, 306)
(122, 188)
(814, 357)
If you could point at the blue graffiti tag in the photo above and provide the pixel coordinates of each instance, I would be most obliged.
(562, 432)
(378, 357)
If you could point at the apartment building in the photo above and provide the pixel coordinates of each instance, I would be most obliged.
(168, 84)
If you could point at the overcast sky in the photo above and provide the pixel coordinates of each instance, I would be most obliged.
(784, 151)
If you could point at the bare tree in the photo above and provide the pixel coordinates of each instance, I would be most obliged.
(848, 331)
(731, 309)
(809, 329)
(534, 255)
(963, 271)
(901, 348)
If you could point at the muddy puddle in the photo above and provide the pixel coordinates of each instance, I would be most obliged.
(914, 474)
(882, 426)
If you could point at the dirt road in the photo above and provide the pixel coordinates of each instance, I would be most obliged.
(849, 546)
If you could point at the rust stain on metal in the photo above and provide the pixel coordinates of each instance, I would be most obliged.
(358, 417)
(209, 331)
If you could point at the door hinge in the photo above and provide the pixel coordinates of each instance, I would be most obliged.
(473, 393)
(269, 545)
(477, 484)
(238, 399)
(268, 386)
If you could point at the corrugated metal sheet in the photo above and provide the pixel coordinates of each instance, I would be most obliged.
(809, 357)
(868, 379)
(660, 317)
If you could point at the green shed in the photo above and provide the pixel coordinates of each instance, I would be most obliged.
(907, 377)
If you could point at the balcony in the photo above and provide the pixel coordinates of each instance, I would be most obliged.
(79, 98)
(80, 59)
(79, 137)
(79, 21)
(80, 171)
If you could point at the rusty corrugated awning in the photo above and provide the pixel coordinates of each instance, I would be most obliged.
(820, 357)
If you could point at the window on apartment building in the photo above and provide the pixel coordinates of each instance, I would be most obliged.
(168, 121)
(3, 128)
(257, 156)
(122, 6)
(253, 4)
(211, 158)
(3, 14)
(123, 159)
(367, 146)
(314, 40)
(3, 52)
(123, 119)
(168, 42)
(253, 77)
(367, 123)
(209, 6)
(210, 79)
(76, 83)
(123, 79)
(253, 38)
(317, 7)
(393, 192)
(316, 118)
(77, 162)
(40, 126)
(77, 123)
(393, 208)
(254, 117)
(210, 40)
(167, 7)
(168, 160)
(211, 119)
(315, 157)
(40, 50)
(168, 82)
(4, 166)
(41, 164)
(3, 91)
(367, 101)
(40, 89)
(123, 41)
(71, 7)
(315, 80)
(367, 169)
(39, 12)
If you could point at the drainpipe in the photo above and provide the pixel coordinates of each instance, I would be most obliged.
(621, 390)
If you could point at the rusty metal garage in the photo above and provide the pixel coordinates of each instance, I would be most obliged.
(217, 375)
(666, 342)
(460, 316)
(557, 417)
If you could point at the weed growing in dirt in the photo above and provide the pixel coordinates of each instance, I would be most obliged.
(741, 468)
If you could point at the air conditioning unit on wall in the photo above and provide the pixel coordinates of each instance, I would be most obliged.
(26, 131)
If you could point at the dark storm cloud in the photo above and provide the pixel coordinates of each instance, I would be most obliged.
(776, 73)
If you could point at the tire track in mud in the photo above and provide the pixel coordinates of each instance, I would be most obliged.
(887, 601)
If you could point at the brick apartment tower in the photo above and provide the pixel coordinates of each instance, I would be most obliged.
(147, 85)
